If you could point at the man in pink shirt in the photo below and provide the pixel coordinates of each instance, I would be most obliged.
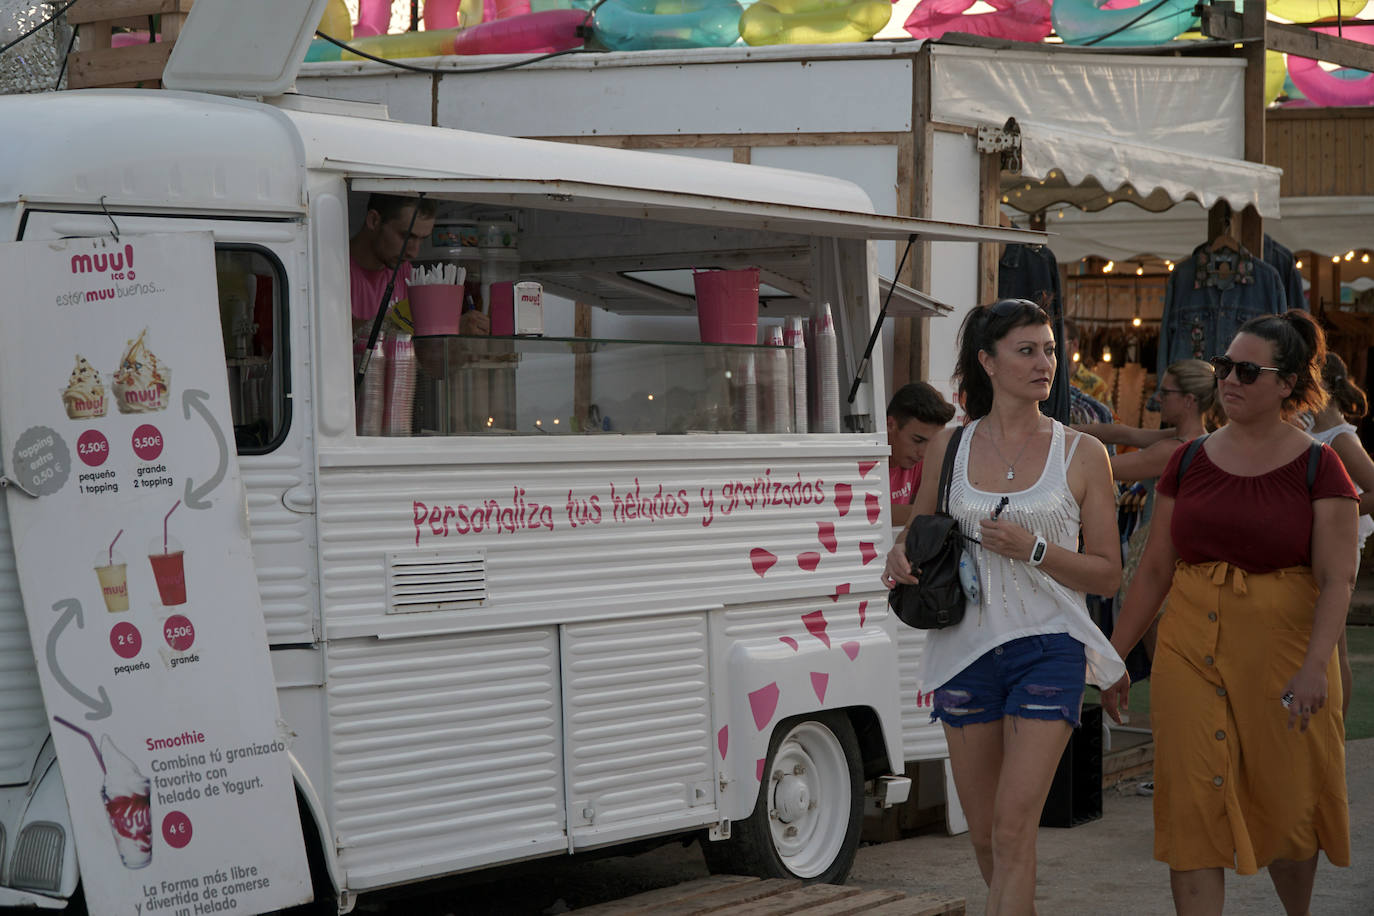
(914, 415)
(385, 237)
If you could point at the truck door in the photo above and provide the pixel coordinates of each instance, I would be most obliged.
(261, 271)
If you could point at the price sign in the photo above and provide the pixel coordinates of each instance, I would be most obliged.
(147, 442)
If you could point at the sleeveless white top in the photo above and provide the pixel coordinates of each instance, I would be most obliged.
(1017, 599)
(1327, 437)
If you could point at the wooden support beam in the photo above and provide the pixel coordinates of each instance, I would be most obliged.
(1220, 21)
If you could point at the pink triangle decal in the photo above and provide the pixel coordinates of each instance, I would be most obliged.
(868, 552)
(819, 681)
(826, 535)
(809, 560)
(723, 740)
(762, 560)
(758, 769)
(840, 590)
(863, 612)
(844, 495)
(851, 648)
(763, 703)
(874, 506)
(790, 641)
(815, 625)
(866, 466)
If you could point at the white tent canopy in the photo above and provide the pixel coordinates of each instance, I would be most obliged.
(1098, 129)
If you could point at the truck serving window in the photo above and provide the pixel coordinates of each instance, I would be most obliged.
(252, 316)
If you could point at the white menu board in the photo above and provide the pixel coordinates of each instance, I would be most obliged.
(130, 530)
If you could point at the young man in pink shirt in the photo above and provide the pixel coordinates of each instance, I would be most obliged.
(387, 236)
(914, 415)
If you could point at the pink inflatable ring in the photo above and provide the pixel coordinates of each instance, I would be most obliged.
(1013, 20)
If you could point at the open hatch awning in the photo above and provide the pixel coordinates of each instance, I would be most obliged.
(1093, 171)
(908, 302)
(671, 206)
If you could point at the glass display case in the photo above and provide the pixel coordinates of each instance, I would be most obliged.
(530, 386)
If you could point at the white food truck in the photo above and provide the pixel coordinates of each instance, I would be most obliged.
(583, 598)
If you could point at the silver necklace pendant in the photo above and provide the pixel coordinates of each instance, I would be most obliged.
(1011, 475)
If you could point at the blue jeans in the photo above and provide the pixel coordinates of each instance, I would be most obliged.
(1034, 677)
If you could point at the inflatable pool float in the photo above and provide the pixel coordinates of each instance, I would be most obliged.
(1312, 10)
(451, 14)
(374, 18)
(1081, 22)
(813, 22)
(1014, 20)
(532, 33)
(391, 47)
(638, 25)
(1342, 87)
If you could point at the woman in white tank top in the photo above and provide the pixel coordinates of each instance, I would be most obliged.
(1008, 680)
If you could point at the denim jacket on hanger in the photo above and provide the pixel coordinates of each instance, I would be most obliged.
(1200, 318)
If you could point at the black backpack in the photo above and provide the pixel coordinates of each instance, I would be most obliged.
(934, 546)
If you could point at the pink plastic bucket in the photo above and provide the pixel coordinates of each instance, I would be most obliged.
(728, 305)
(436, 308)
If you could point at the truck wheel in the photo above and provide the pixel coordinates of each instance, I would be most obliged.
(809, 812)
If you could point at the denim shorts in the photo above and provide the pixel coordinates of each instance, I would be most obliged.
(1034, 677)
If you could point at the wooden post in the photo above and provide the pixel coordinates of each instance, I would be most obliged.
(582, 363)
(920, 149)
(1254, 24)
(1314, 289)
(989, 208)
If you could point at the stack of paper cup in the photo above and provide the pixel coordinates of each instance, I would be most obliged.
(751, 394)
(827, 373)
(400, 386)
(775, 388)
(795, 338)
(372, 400)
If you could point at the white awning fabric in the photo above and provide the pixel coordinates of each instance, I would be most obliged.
(1098, 129)
(699, 208)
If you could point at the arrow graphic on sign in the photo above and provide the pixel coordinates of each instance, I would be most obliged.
(69, 609)
(195, 496)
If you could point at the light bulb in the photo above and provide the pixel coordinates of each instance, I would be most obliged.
(1106, 356)
(651, 397)
(1169, 264)
(1075, 356)
(1140, 271)
(1135, 322)
(555, 421)
(1060, 214)
(1364, 258)
(1299, 264)
(1335, 259)
(1107, 268)
(1350, 255)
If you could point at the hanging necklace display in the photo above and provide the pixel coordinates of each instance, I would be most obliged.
(1011, 465)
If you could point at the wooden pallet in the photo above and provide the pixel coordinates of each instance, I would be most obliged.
(735, 895)
(97, 65)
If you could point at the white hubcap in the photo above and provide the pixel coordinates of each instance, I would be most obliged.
(809, 799)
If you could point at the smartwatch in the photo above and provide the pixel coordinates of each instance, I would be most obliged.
(1037, 554)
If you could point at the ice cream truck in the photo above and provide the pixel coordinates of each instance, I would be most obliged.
(604, 584)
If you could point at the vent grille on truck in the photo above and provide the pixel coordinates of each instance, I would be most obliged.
(37, 864)
(435, 581)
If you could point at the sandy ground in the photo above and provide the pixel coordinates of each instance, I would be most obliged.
(1101, 868)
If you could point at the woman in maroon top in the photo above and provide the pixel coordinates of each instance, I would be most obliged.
(1257, 557)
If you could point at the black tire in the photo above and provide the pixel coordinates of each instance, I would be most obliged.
(753, 848)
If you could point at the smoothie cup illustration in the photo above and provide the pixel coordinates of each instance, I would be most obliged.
(113, 574)
(127, 796)
(169, 567)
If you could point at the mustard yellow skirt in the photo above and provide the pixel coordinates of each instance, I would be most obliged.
(1234, 786)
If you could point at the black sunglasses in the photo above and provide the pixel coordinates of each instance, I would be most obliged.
(1247, 372)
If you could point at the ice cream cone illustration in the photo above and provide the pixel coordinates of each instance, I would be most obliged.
(127, 796)
(141, 383)
(84, 396)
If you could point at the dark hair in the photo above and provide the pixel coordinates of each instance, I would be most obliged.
(1299, 351)
(919, 401)
(982, 329)
(1349, 397)
(390, 206)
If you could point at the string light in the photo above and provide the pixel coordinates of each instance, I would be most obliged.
(1108, 267)
(1135, 322)
(1075, 356)
(1335, 259)
(1350, 255)
(1106, 355)
(1170, 265)
(1364, 258)
(1140, 270)
(1299, 264)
